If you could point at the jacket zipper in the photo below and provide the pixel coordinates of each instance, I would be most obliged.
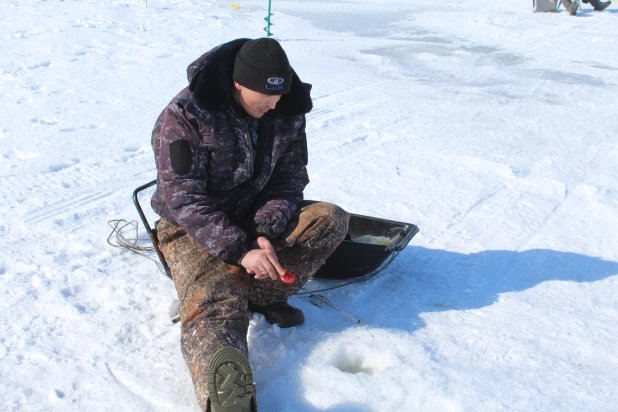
(245, 126)
(250, 141)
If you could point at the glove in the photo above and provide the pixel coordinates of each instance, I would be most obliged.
(269, 224)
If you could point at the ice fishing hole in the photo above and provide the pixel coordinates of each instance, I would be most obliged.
(361, 359)
(354, 368)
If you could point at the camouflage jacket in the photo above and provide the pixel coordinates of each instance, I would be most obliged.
(210, 179)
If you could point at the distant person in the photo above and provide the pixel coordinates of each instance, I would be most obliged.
(572, 5)
(231, 155)
(598, 5)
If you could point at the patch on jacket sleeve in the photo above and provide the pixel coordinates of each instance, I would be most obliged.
(181, 156)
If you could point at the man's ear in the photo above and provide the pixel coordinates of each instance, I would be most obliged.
(237, 85)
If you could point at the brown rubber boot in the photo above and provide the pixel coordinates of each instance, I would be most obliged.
(281, 314)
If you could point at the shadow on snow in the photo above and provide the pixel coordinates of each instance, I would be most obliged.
(430, 280)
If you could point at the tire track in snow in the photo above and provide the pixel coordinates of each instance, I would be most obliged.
(360, 90)
(64, 206)
(585, 166)
(49, 177)
(503, 196)
(365, 102)
(494, 195)
(358, 100)
(550, 216)
(134, 389)
(32, 198)
(353, 151)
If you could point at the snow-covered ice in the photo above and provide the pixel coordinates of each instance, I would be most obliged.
(488, 126)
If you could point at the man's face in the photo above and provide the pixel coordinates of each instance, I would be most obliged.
(256, 104)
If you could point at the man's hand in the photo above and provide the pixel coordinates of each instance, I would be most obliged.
(262, 261)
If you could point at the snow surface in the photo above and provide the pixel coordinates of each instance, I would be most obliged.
(488, 126)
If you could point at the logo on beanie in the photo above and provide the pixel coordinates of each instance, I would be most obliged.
(274, 83)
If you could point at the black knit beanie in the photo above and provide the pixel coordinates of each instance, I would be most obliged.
(262, 66)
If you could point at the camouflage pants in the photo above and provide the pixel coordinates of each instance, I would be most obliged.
(213, 295)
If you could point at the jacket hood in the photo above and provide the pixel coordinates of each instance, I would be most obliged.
(211, 82)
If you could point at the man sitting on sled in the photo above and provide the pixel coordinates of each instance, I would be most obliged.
(231, 155)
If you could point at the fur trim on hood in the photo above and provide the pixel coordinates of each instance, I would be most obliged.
(211, 83)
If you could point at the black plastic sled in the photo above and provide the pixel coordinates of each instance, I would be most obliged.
(351, 259)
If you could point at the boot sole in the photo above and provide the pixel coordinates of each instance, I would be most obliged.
(230, 382)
